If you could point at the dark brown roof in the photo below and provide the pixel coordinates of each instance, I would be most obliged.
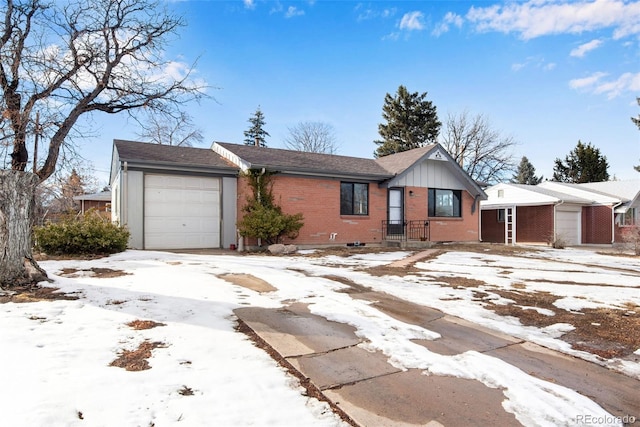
(399, 162)
(133, 151)
(299, 161)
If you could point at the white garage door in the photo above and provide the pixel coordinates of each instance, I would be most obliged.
(568, 226)
(181, 212)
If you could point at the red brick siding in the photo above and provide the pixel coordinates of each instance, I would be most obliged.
(596, 224)
(534, 224)
(319, 201)
(465, 229)
(492, 230)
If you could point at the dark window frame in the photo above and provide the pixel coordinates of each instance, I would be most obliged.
(456, 203)
(349, 199)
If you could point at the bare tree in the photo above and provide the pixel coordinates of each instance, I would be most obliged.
(484, 153)
(176, 129)
(62, 61)
(312, 137)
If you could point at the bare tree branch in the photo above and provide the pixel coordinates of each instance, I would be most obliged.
(312, 137)
(478, 148)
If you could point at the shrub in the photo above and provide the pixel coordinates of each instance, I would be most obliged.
(87, 235)
(263, 218)
(631, 238)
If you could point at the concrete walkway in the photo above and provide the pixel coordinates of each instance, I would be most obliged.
(368, 391)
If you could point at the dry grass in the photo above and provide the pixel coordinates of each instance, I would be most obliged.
(136, 360)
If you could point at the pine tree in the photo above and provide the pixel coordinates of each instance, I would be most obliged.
(526, 173)
(256, 134)
(412, 122)
(583, 164)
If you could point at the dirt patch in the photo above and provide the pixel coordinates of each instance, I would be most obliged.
(249, 281)
(185, 391)
(606, 332)
(34, 293)
(136, 360)
(103, 273)
(140, 325)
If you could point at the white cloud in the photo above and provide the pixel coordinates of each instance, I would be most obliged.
(412, 21)
(596, 83)
(449, 19)
(537, 18)
(293, 11)
(582, 50)
(249, 4)
(628, 82)
(587, 82)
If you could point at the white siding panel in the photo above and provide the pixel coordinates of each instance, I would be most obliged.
(181, 212)
(431, 174)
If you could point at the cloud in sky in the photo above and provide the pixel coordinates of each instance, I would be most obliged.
(582, 50)
(597, 84)
(412, 21)
(249, 4)
(537, 18)
(449, 19)
(293, 11)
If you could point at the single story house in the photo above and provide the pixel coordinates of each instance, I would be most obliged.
(101, 202)
(593, 213)
(182, 198)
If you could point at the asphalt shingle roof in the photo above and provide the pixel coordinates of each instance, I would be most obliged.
(155, 153)
(399, 162)
(291, 160)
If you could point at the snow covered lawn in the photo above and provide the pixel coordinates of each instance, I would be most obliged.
(57, 355)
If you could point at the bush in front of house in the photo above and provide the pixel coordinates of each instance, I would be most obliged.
(89, 234)
(263, 218)
(270, 224)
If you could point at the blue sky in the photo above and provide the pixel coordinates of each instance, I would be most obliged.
(547, 73)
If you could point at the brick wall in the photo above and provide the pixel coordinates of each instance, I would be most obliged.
(465, 229)
(596, 224)
(319, 201)
(534, 224)
(492, 230)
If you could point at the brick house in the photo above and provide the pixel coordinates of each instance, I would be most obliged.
(100, 202)
(594, 213)
(417, 195)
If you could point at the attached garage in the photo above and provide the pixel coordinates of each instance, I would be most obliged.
(181, 212)
(173, 197)
(568, 224)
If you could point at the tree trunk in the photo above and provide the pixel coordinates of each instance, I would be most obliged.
(17, 196)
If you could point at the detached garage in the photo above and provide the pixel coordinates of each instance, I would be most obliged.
(173, 197)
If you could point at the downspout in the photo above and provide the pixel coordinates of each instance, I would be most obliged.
(476, 205)
(124, 194)
(554, 219)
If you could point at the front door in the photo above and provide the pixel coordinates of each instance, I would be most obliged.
(395, 212)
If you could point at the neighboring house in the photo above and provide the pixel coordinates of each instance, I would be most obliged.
(421, 194)
(594, 213)
(101, 202)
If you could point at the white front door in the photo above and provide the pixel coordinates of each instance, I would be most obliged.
(395, 211)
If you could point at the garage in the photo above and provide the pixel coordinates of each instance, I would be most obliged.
(568, 224)
(181, 212)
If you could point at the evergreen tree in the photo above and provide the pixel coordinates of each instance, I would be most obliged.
(526, 173)
(583, 164)
(412, 122)
(256, 134)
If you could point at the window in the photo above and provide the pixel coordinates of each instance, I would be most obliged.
(354, 198)
(629, 217)
(445, 203)
(501, 213)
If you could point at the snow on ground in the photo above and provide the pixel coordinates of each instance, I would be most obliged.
(56, 354)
